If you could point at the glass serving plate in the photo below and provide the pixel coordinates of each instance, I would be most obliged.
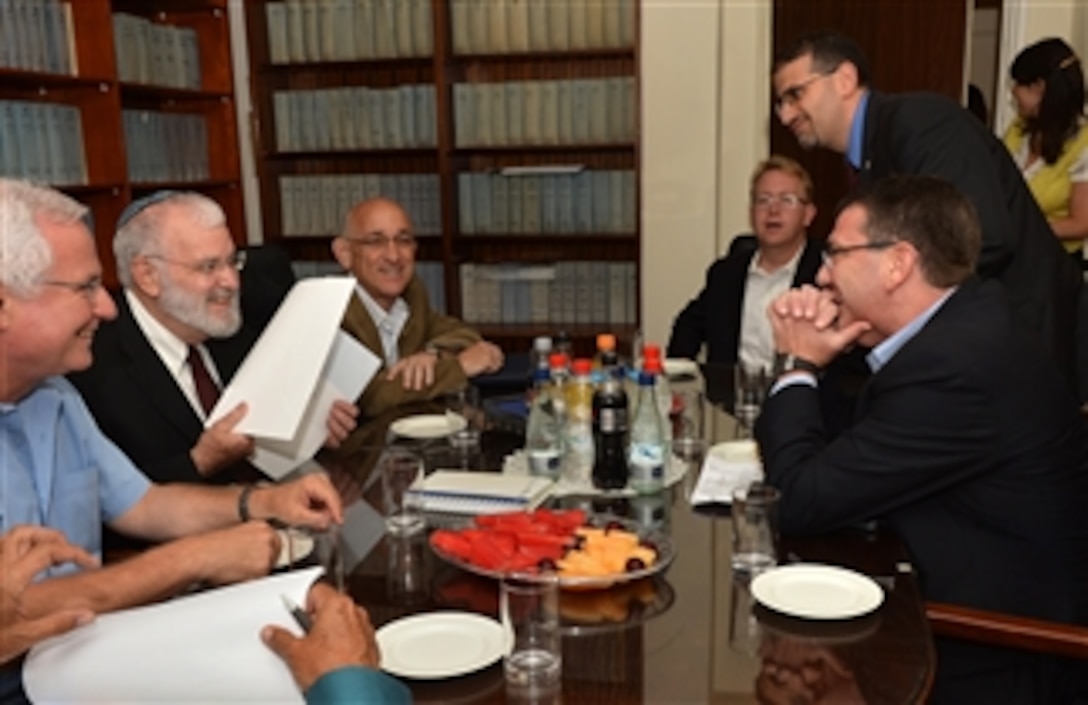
(666, 552)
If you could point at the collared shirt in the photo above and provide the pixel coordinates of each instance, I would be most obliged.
(882, 353)
(58, 470)
(389, 323)
(756, 348)
(879, 356)
(856, 145)
(173, 351)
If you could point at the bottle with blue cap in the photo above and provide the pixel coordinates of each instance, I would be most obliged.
(646, 449)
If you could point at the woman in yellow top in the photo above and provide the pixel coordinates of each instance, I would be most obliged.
(1049, 139)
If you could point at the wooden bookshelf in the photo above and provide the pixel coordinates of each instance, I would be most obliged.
(95, 88)
(303, 53)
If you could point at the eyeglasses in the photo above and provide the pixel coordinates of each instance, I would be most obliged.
(209, 267)
(88, 289)
(831, 251)
(793, 95)
(786, 201)
(402, 241)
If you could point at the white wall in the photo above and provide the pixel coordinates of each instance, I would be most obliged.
(705, 96)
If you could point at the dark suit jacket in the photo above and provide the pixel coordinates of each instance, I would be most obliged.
(137, 403)
(922, 133)
(713, 317)
(968, 444)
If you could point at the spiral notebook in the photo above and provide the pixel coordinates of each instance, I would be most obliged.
(464, 492)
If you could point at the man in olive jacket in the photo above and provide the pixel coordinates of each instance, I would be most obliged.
(426, 354)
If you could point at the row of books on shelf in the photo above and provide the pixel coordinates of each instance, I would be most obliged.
(302, 31)
(513, 26)
(36, 35)
(430, 272)
(564, 292)
(578, 111)
(156, 54)
(597, 202)
(355, 118)
(165, 146)
(42, 142)
(316, 205)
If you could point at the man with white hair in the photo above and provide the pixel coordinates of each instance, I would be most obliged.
(57, 469)
(178, 338)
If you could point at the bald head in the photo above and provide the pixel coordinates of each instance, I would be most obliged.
(378, 247)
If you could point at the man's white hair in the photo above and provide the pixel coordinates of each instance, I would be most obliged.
(145, 232)
(25, 256)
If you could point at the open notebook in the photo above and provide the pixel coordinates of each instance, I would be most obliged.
(463, 492)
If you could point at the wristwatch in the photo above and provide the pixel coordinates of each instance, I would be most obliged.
(788, 362)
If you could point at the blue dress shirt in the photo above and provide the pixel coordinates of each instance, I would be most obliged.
(58, 470)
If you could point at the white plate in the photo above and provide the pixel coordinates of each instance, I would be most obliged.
(440, 644)
(429, 425)
(817, 591)
(293, 543)
(680, 367)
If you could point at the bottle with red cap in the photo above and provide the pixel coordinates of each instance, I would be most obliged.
(651, 362)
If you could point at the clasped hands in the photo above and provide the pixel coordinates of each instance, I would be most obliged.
(806, 323)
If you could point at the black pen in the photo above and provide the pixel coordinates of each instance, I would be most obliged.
(298, 613)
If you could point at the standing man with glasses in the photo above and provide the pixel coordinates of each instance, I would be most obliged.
(729, 316)
(426, 354)
(966, 443)
(177, 340)
(822, 94)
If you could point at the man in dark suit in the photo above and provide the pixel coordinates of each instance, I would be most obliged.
(729, 314)
(179, 328)
(966, 441)
(821, 84)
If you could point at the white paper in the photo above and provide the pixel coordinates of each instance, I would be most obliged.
(727, 466)
(348, 369)
(280, 373)
(299, 366)
(204, 648)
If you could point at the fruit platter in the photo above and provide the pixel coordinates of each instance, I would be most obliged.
(585, 551)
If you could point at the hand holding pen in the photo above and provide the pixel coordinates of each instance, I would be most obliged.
(340, 634)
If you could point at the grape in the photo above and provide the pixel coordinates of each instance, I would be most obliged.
(634, 564)
(614, 526)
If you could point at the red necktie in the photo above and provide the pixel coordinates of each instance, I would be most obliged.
(206, 389)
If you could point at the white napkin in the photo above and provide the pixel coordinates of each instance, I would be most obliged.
(727, 466)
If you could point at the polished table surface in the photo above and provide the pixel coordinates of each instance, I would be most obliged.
(691, 635)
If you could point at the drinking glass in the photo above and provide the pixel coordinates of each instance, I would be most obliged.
(466, 404)
(749, 389)
(307, 546)
(755, 527)
(400, 468)
(529, 610)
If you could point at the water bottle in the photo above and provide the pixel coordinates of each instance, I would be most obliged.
(662, 393)
(538, 356)
(610, 435)
(543, 444)
(578, 448)
(646, 452)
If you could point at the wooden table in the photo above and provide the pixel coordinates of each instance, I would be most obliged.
(690, 636)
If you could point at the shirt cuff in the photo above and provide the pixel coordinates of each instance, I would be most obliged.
(793, 379)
